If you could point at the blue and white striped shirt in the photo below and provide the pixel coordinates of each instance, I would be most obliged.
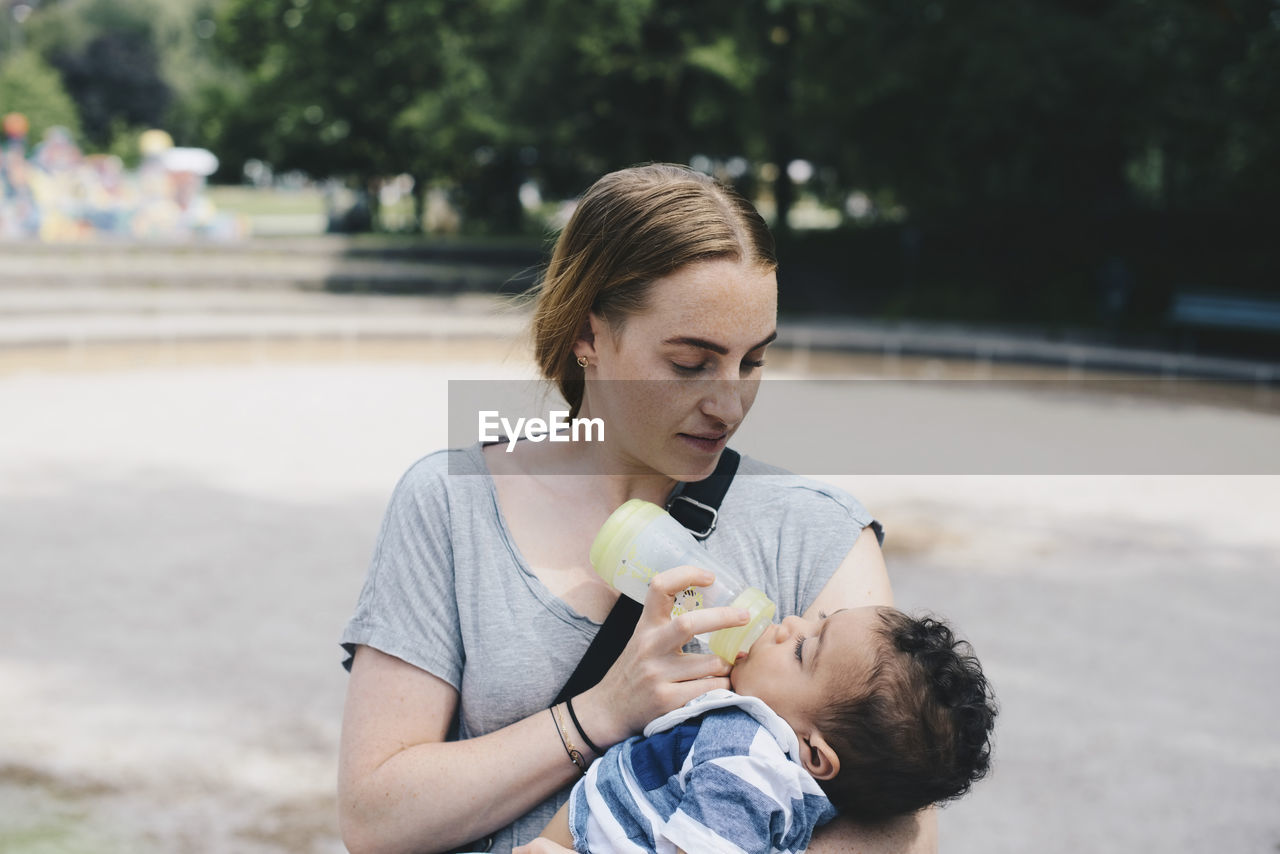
(721, 774)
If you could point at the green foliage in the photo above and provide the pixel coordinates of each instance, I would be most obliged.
(124, 143)
(204, 83)
(606, 84)
(336, 117)
(106, 54)
(138, 63)
(992, 107)
(1037, 103)
(29, 86)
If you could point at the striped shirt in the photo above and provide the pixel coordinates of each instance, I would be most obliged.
(721, 774)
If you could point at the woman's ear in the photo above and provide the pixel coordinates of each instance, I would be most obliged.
(586, 343)
(818, 757)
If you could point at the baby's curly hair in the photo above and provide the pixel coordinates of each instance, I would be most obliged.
(914, 731)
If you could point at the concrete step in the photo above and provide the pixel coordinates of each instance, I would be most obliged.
(328, 264)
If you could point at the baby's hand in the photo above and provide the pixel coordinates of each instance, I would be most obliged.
(542, 845)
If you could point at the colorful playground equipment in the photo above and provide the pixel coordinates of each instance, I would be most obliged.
(59, 194)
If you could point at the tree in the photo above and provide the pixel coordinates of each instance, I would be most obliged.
(360, 91)
(106, 53)
(203, 84)
(115, 79)
(1012, 104)
(996, 105)
(486, 93)
(31, 87)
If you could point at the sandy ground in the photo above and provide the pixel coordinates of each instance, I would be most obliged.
(182, 537)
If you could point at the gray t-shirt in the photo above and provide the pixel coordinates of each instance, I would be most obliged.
(449, 592)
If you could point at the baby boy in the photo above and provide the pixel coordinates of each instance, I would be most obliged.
(867, 713)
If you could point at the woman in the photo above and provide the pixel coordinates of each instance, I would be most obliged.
(481, 600)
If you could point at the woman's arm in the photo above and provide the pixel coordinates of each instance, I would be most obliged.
(913, 834)
(403, 788)
(400, 783)
(558, 830)
(862, 579)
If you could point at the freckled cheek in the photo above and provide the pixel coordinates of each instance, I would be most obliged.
(748, 396)
(668, 402)
(647, 411)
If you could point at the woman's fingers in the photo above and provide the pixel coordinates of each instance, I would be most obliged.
(684, 627)
(661, 599)
(690, 690)
(667, 585)
(688, 668)
(652, 676)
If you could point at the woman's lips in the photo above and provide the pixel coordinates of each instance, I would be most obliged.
(708, 444)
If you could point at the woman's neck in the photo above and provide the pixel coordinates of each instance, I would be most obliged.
(591, 471)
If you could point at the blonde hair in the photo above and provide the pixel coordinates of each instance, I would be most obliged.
(631, 228)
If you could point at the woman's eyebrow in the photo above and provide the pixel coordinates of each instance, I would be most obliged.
(722, 350)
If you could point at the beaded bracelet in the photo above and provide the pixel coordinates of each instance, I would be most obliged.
(575, 756)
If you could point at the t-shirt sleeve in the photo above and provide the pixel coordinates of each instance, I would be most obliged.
(827, 522)
(792, 532)
(407, 607)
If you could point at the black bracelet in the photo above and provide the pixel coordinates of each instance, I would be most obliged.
(588, 742)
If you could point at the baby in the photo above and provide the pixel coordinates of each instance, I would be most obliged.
(867, 713)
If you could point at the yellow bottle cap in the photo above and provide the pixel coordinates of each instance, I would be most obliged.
(727, 643)
(618, 533)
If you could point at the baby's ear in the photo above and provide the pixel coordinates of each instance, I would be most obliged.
(818, 757)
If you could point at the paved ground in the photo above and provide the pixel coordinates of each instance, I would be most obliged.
(184, 527)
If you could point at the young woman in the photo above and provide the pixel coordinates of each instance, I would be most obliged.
(655, 313)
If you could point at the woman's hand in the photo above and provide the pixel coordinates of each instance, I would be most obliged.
(652, 676)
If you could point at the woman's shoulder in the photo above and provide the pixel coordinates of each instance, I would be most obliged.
(765, 490)
(447, 461)
(443, 471)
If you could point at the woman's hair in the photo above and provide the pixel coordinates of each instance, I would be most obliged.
(917, 731)
(632, 227)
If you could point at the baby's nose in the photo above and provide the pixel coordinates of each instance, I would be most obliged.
(786, 629)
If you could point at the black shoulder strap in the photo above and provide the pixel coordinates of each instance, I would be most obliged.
(696, 506)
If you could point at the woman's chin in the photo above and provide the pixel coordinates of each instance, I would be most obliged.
(689, 462)
(685, 472)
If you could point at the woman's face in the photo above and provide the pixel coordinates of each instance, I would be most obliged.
(675, 381)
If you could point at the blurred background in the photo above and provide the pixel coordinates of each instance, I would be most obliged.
(245, 245)
(1102, 168)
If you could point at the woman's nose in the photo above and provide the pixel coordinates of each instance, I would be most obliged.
(723, 401)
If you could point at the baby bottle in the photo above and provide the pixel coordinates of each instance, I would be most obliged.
(641, 539)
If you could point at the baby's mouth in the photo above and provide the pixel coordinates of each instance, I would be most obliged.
(746, 653)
